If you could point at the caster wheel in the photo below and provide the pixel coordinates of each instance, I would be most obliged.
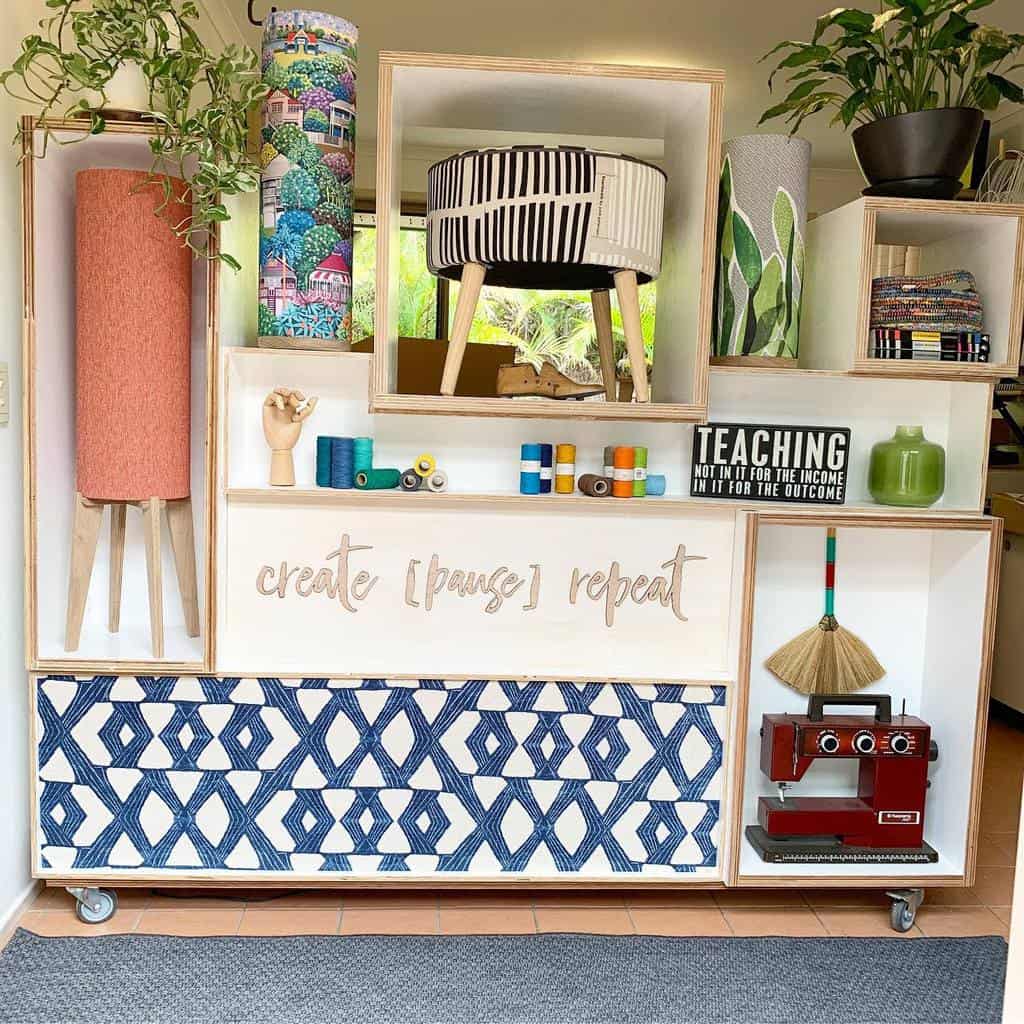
(96, 906)
(902, 916)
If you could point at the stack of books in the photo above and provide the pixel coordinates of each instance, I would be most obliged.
(934, 317)
(946, 346)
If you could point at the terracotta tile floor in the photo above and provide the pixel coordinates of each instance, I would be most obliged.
(981, 910)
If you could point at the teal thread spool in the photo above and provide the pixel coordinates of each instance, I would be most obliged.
(362, 453)
(655, 485)
(639, 472)
(377, 479)
(323, 461)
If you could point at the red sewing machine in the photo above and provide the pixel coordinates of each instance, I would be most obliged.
(884, 822)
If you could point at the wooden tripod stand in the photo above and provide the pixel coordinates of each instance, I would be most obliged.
(85, 534)
(629, 304)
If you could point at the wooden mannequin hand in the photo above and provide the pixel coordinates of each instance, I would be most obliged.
(283, 413)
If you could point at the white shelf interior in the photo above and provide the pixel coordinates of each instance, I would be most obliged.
(54, 215)
(984, 244)
(917, 599)
(658, 119)
(481, 455)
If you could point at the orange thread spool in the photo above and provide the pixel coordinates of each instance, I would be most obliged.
(622, 472)
(565, 468)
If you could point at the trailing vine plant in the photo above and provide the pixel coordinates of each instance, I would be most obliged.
(198, 100)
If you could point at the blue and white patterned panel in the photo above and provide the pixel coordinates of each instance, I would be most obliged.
(366, 777)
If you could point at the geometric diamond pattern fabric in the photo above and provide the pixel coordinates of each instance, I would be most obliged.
(368, 777)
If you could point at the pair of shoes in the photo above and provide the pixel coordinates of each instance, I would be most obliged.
(548, 382)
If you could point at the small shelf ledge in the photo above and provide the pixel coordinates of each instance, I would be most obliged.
(512, 501)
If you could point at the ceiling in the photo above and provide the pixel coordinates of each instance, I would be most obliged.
(727, 34)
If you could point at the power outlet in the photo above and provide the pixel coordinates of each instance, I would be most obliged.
(5, 395)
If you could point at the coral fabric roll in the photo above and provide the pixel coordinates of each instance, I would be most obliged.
(133, 346)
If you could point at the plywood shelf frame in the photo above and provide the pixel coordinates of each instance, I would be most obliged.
(116, 134)
(984, 238)
(441, 92)
(768, 875)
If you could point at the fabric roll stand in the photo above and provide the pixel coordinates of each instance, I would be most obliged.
(133, 391)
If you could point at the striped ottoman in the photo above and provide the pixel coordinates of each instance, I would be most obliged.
(548, 217)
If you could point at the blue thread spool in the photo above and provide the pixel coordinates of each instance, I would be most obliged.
(655, 485)
(529, 469)
(323, 461)
(546, 468)
(342, 463)
(362, 454)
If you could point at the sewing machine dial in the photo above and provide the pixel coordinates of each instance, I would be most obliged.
(900, 743)
(828, 741)
(864, 742)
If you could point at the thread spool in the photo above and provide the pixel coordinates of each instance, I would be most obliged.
(342, 468)
(639, 472)
(609, 460)
(410, 480)
(546, 468)
(529, 469)
(655, 485)
(437, 481)
(425, 464)
(622, 472)
(377, 479)
(323, 461)
(565, 468)
(362, 457)
(595, 486)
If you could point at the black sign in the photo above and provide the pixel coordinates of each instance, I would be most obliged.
(755, 463)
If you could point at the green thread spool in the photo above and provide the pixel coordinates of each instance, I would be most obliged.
(639, 472)
(362, 453)
(377, 479)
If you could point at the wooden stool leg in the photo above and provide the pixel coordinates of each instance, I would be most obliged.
(118, 513)
(151, 528)
(629, 307)
(601, 302)
(469, 294)
(85, 534)
(183, 544)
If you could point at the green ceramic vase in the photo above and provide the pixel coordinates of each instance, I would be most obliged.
(907, 470)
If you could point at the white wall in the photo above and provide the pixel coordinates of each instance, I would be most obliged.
(14, 857)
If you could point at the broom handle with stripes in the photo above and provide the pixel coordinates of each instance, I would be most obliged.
(830, 572)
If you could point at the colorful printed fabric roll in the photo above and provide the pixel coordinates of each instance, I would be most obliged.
(308, 161)
(942, 302)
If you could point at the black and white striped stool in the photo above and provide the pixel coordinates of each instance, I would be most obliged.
(548, 217)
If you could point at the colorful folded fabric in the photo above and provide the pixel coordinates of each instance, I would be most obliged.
(938, 302)
(946, 346)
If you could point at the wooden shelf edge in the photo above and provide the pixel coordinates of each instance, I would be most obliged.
(539, 409)
(87, 666)
(632, 506)
(984, 373)
(252, 350)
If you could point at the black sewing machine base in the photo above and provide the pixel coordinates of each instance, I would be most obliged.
(829, 850)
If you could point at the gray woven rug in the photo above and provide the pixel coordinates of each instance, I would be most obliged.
(521, 979)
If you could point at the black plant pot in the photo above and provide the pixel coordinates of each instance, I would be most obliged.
(919, 155)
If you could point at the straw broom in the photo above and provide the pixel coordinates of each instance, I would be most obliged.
(826, 658)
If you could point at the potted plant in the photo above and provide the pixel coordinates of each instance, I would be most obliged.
(915, 78)
(88, 61)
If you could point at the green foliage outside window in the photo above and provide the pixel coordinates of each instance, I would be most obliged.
(543, 325)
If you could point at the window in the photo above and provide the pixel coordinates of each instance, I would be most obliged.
(557, 326)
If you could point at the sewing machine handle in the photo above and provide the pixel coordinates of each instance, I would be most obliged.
(881, 702)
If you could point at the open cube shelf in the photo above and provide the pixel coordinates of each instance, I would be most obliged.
(50, 456)
(669, 115)
(920, 593)
(985, 238)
